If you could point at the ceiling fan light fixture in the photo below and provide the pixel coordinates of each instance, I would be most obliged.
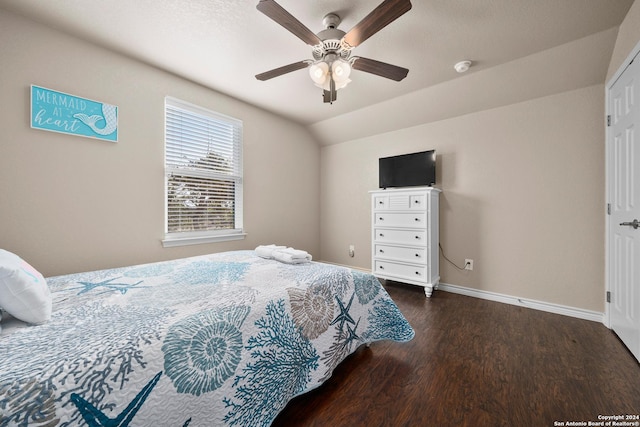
(319, 72)
(342, 84)
(340, 70)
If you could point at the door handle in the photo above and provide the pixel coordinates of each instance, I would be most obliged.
(635, 224)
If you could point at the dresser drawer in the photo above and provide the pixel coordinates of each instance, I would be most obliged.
(400, 202)
(408, 220)
(405, 237)
(401, 271)
(418, 202)
(381, 202)
(401, 253)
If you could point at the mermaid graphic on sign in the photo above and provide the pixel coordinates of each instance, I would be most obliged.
(109, 116)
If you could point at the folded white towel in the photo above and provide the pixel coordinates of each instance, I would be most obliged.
(266, 251)
(291, 256)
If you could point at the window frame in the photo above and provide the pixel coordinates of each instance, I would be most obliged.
(181, 238)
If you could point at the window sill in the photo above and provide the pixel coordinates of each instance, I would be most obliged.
(169, 242)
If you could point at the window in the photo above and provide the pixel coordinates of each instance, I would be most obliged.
(203, 174)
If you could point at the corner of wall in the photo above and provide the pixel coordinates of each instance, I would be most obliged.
(628, 38)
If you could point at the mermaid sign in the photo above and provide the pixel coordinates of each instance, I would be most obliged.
(61, 112)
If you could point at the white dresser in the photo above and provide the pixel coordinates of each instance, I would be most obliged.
(405, 236)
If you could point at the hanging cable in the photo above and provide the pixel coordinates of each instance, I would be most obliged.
(451, 262)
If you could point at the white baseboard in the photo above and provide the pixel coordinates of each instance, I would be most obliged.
(564, 310)
(364, 270)
(523, 302)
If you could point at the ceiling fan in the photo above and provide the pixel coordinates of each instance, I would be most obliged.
(332, 62)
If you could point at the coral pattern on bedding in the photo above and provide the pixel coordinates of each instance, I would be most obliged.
(218, 340)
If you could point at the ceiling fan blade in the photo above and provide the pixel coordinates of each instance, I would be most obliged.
(381, 69)
(386, 12)
(330, 95)
(282, 70)
(276, 12)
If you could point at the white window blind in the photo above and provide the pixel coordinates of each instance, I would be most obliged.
(203, 170)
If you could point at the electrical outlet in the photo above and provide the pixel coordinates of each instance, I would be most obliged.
(352, 251)
(468, 264)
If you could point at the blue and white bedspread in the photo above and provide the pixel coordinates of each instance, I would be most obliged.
(218, 340)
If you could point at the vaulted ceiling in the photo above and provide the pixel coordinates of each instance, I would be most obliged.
(223, 44)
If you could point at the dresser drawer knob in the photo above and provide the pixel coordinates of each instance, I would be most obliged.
(381, 251)
(418, 237)
(418, 255)
(381, 219)
(417, 273)
(381, 267)
(417, 219)
(381, 235)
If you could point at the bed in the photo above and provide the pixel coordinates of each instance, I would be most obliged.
(225, 339)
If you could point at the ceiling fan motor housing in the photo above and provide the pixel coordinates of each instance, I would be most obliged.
(331, 20)
(331, 43)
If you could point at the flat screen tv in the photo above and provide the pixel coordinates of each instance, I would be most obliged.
(408, 170)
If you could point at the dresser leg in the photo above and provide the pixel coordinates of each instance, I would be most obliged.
(428, 290)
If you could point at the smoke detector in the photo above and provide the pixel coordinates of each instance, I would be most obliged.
(462, 66)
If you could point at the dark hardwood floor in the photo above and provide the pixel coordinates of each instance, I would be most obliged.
(476, 363)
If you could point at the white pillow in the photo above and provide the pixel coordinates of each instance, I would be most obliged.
(24, 292)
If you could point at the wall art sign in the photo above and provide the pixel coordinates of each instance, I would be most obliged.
(60, 112)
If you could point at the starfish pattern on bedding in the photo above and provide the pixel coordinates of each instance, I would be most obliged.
(96, 418)
(117, 287)
(351, 333)
(344, 316)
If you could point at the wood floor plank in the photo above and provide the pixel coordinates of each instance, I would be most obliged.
(476, 363)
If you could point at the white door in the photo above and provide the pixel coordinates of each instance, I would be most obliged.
(623, 180)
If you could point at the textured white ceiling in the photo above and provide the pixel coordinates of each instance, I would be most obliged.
(222, 44)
